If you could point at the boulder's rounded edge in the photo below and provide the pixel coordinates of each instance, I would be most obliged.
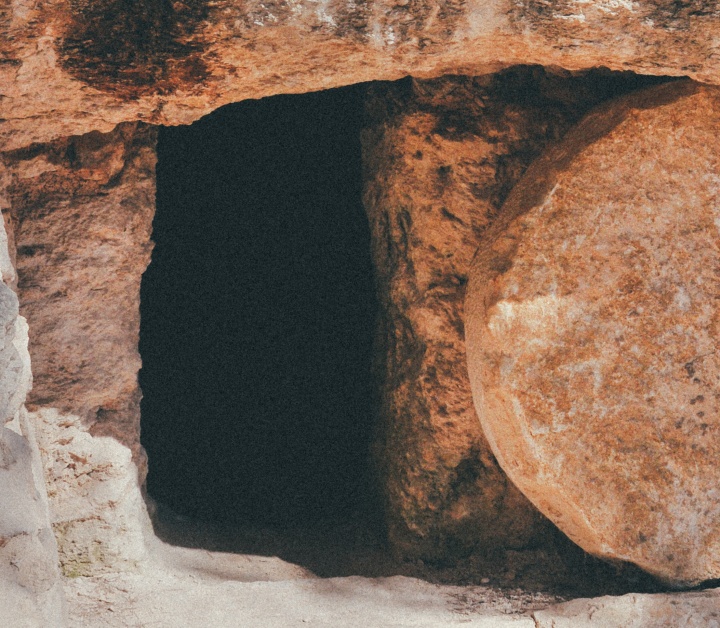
(619, 216)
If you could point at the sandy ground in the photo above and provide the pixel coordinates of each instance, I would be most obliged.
(159, 598)
(249, 586)
(281, 579)
(198, 589)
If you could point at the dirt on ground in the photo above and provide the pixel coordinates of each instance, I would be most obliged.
(355, 546)
(339, 574)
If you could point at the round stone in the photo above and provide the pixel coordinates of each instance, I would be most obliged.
(592, 323)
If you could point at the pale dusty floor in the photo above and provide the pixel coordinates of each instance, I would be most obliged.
(243, 583)
(186, 588)
(163, 600)
(195, 588)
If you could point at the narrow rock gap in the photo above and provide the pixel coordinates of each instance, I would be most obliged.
(258, 313)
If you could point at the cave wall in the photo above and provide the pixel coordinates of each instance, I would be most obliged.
(80, 211)
(439, 159)
(30, 586)
(73, 69)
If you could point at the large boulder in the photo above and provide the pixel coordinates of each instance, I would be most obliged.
(439, 159)
(592, 325)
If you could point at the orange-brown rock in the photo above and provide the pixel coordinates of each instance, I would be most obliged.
(73, 66)
(440, 157)
(592, 320)
(81, 211)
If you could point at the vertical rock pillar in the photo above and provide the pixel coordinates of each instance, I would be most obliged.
(30, 587)
(82, 212)
(440, 157)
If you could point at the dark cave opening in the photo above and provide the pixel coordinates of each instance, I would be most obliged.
(258, 314)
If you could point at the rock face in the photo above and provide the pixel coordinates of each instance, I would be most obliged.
(30, 587)
(96, 508)
(691, 609)
(439, 158)
(592, 323)
(74, 66)
(594, 377)
(81, 211)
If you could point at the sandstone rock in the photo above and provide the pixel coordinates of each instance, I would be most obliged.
(439, 159)
(14, 360)
(72, 67)
(696, 609)
(30, 589)
(592, 323)
(81, 211)
(97, 511)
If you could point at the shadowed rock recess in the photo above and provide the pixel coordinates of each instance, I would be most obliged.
(305, 314)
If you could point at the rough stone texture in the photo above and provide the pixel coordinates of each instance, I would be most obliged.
(699, 609)
(14, 360)
(592, 324)
(73, 66)
(97, 511)
(30, 588)
(83, 204)
(81, 211)
(439, 158)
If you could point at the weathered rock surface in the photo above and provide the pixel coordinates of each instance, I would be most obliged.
(96, 508)
(71, 67)
(81, 211)
(696, 609)
(30, 587)
(439, 159)
(592, 323)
